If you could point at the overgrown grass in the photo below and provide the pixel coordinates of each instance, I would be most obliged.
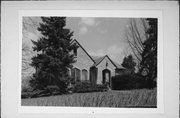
(131, 98)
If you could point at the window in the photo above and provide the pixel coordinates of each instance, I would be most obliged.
(76, 74)
(84, 74)
(75, 51)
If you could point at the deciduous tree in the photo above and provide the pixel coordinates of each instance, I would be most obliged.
(135, 36)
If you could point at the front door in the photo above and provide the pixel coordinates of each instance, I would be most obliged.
(106, 76)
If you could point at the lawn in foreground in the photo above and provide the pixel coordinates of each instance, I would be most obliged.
(129, 98)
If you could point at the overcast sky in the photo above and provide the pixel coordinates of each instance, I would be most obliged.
(98, 36)
(101, 36)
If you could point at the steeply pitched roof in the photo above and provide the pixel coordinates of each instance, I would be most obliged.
(98, 60)
(118, 65)
(82, 49)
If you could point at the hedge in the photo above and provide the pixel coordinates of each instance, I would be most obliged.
(82, 87)
(133, 81)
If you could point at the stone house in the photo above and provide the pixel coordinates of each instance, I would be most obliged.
(97, 70)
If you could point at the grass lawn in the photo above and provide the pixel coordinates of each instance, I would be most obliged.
(129, 98)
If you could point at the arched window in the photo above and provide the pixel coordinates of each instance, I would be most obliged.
(73, 73)
(76, 74)
(84, 74)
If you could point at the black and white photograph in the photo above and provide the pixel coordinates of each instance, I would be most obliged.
(89, 61)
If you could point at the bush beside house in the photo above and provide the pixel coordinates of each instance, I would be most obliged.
(86, 86)
(79, 87)
(48, 91)
(133, 81)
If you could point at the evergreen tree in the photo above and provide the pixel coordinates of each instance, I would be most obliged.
(149, 55)
(129, 63)
(53, 57)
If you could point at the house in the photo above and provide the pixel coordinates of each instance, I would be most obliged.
(97, 70)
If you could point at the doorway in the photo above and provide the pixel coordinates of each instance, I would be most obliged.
(106, 76)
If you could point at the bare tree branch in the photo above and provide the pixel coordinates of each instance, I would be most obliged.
(132, 48)
(29, 22)
(145, 27)
(138, 36)
(135, 37)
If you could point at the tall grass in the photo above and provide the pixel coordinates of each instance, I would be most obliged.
(133, 98)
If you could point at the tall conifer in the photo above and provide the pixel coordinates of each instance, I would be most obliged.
(53, 57)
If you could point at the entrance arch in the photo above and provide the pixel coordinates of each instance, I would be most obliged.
(106, 76)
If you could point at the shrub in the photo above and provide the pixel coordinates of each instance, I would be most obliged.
(25, 87)
(81, 86)
(151, 84)
(85, 86)
(48, 91)
(52, 90)
(25, 95)
(133, 81)
(31, 94)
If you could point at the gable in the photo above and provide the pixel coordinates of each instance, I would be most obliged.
(83, 56)
(97, 60)
(83, 59)
(80, 46)
(106, 61)
(106, 57)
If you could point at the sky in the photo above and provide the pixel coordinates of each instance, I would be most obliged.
(101, 36)
(98, 35)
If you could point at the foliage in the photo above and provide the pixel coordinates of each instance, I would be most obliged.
(26, 51)
(133, 81)
(25, 84)
(48, 91)
(149, 54)
(129, 63)
(30, 94)
(53, 54)
(143, 98)
(85, 86)
(135, 36)
(144, 46)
